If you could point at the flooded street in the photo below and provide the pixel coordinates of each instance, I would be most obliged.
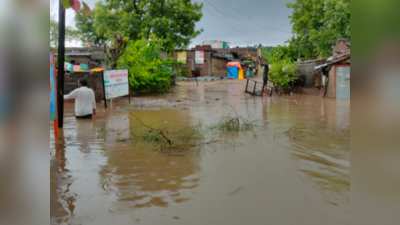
(265, 178)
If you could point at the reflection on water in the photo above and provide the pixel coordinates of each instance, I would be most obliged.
(61, 199)
(140, 178)
(267, 180)
(137, 176)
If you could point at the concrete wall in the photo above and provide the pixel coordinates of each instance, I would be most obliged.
(307, 72)
(76, 60)
(94, 57)
(308, 77)
(94, 79)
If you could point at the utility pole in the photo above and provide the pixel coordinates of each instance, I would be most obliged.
(61, 60)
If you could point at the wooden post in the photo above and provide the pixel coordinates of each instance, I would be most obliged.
(56, 134)
(61, 55)
(335, 77)
(104, 90)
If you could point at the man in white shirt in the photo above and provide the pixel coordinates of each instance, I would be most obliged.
(85, 102)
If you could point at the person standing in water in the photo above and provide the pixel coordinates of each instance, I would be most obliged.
(85, 102)
(266, 73)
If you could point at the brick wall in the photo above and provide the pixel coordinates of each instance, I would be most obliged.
(205, 69)
(341, 47)
(94, 79)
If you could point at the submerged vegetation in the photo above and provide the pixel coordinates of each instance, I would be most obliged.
(180, 139)
(299, 131)
(234, 123)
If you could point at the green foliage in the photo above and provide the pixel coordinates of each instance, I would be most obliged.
(265, 52)
(115, 49)
(148, 72)
(283, 73)
(250, 59)
(319, 23)
(182, 72)
(173, 21)
(88, 30)
(283, 53)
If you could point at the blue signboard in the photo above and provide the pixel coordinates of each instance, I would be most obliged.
(53, 105)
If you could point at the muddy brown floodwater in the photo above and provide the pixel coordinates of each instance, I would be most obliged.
(270, 179)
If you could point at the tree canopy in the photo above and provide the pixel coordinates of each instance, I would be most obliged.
(170, 20)
(70, 33)
(85, 25)
(319, 23)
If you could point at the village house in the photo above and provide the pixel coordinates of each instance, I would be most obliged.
(212, 62)
(336, 72)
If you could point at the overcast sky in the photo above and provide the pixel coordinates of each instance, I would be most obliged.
(239, 22)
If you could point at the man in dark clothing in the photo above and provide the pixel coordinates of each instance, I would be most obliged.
(266, 72)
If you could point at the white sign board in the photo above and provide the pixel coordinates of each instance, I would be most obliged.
(199, 57)
(116, 83)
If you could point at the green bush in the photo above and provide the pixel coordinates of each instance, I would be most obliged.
(250, 59)
(282, 74)
(149, 73)
(182, 72)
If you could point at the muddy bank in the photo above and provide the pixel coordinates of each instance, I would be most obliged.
(188, 95)
(184, 96)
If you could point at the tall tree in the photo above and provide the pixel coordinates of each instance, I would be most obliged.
(319, 23)
(88, 30)
(170, 20)
(70, 33)
(115, 49)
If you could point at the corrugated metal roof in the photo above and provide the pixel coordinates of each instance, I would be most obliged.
(78, 53)
(214, 55)
(334, 61)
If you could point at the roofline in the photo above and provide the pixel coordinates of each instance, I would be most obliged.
(334, 61)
